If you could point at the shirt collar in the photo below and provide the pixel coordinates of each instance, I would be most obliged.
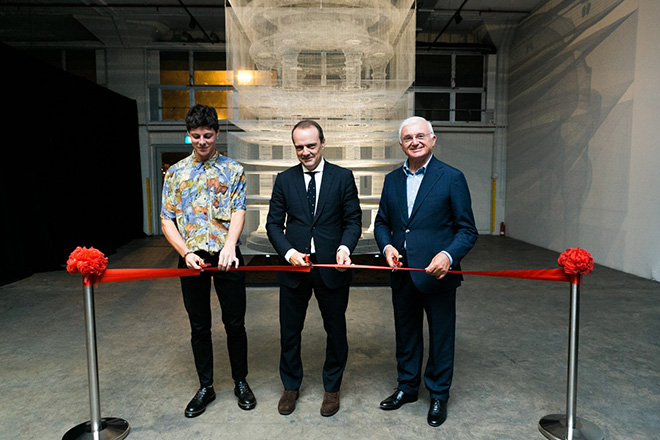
(198, 164)
(318, 169)
(421, 170)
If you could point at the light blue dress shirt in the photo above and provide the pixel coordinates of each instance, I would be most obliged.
(413, 182)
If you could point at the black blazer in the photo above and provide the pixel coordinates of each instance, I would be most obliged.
(338, 220)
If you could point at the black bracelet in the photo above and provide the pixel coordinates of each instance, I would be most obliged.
(188, 253)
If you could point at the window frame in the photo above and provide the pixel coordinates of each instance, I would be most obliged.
(156, 88)
(454, 90)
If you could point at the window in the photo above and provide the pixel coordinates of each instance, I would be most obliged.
(174, 68)
(469, 71)
(210, 69)
(450, 88)
(468, 107)
(433, 70)
(189, 78)
(432, 106)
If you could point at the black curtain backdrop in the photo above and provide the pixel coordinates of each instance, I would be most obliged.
(70, 170)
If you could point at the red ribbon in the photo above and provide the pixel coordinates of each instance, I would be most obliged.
(115, 275)
(92, 264)
(533, 274)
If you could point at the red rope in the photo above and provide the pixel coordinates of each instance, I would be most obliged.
(534, 274)
(116, 275)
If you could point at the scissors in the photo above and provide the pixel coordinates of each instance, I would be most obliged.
(397, 261)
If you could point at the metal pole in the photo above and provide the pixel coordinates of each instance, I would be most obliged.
(97, 428)
(568, 426)
(92, 360)
(571, 381)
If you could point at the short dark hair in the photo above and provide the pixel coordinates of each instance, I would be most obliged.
(202, 116)
(306, 123)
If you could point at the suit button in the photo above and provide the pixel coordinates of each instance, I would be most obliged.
(407, 231)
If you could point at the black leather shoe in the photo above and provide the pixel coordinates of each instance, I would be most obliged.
(397, 399)
(197, 405)
(246, 399)
(437, 413)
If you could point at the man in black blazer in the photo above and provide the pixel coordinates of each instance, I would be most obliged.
(424, 220)
(315, 217)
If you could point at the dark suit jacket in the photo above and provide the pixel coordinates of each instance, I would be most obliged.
(441, 219)
(338, 220)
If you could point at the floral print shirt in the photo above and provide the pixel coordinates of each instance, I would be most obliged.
(201, 197)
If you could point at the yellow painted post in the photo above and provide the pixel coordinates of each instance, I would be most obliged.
(492, 205)
(148, 190)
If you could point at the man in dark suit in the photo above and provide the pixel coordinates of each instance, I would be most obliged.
(314, 216)
(424, 220)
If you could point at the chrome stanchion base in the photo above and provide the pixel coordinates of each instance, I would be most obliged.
(554, 427)
(112, 428)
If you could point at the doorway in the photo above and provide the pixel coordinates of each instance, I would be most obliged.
(164, 156)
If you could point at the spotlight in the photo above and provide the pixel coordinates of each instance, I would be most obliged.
(458, 18)
(245, 77)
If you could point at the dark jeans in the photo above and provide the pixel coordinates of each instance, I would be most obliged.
(293, 308)
(230, 289)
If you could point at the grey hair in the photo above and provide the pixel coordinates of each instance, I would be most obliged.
(412, 120)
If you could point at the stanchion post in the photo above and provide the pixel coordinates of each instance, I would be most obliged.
(92, 360)
(568, 426)
(96, 428)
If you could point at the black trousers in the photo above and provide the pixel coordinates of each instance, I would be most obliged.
(409, 307)
(293, 308)
(230, 289)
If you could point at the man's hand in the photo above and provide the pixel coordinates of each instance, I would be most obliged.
(299, 259)
(439, 266)
(343, 258)
(193, 261)
(393, 257)
(227, 258)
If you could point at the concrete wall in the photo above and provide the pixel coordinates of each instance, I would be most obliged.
(583, 114)
(642, 248)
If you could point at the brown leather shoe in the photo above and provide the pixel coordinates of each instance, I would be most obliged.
(287, 402)
(330, 404)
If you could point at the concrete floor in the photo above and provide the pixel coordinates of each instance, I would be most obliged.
(510, 361)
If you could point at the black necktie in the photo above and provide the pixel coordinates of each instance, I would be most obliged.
(311, 192)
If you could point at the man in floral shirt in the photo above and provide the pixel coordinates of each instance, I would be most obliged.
(202, 216)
